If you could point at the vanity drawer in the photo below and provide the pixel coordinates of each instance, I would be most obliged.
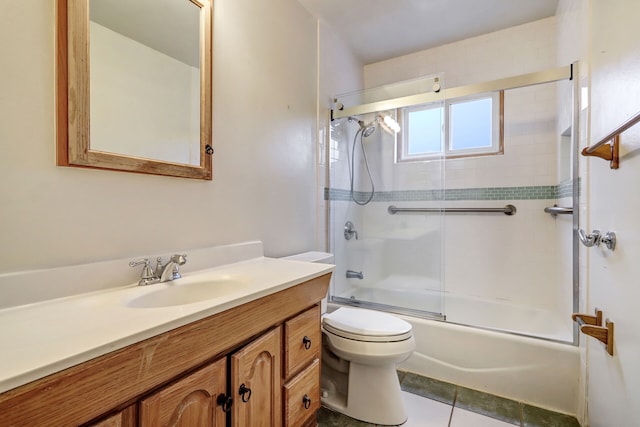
(302, 395)
(302, 340)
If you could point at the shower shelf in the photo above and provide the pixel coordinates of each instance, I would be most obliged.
(592, 326)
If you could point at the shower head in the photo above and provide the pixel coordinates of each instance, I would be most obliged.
(367, 129)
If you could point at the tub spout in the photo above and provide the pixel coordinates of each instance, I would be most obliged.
(355, 274)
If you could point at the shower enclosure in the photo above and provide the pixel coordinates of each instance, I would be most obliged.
(423, 225)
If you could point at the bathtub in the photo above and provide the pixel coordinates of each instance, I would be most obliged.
(466, 310)
(535, 371)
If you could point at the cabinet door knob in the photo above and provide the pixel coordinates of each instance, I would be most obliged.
(225, 401)
(245, 392)
(306, 401)
(307, 342)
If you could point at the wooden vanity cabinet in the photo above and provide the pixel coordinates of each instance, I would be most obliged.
(174, 379)
(255, 382)
(301, 379)
(126, 418)
(189, 402)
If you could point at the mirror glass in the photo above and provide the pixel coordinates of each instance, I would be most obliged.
(145, 79)
(134, 86)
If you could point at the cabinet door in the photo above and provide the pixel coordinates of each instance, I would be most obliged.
(255, 382)
(189, 402)
(125, 418)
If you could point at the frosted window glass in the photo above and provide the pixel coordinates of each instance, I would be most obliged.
(470, 124)
(425, 131)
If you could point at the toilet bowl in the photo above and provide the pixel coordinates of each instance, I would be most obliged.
(360, 351)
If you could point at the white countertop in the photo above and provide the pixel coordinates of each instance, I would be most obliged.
(43, 338)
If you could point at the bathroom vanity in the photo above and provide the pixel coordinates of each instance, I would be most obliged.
(252, 359)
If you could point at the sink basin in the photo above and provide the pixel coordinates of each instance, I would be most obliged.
(176, 293)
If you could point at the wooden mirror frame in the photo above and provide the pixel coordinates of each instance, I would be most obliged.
(72, 109)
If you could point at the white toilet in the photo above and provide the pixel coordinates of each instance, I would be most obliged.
(360, 350)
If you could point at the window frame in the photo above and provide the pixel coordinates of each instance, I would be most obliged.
(496, 148)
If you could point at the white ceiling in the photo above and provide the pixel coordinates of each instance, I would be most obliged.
(381, 29)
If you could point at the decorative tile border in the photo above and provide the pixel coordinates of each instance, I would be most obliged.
(540, 192)
(565, 188)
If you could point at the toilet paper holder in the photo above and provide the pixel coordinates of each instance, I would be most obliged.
(592, 326)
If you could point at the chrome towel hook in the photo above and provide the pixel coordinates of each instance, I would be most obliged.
(596, 237)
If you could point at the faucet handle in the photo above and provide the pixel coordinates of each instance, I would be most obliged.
(147, 275)
(159, 267)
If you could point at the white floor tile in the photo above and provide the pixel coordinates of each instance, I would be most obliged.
(423, 412)
(462, 418)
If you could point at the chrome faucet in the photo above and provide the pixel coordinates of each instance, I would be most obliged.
(170, 271)
(162, 273)
(355, 274)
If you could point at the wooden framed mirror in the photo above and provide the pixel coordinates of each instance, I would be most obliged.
(133, 103)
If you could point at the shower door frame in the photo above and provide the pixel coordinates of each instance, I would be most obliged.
(570, 72)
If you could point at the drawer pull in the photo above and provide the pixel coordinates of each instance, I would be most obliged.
(307, 342)
(306, 401)
(225, 401)
(245, 392)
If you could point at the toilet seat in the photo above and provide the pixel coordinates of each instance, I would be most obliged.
(366, 325)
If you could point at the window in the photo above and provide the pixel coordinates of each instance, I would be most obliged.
(462, 127)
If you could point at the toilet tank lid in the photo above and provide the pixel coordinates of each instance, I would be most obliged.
(313, 256)
(366, 322)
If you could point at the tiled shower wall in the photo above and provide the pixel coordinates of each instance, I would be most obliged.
(516, 258)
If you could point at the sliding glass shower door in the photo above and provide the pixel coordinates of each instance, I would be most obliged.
(442, 207)
(384, 259)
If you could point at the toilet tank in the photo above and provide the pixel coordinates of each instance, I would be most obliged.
(314, 256)
(319, 257)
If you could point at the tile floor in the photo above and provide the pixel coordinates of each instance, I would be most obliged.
(433, 403)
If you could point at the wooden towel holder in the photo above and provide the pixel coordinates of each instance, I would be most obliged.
(592, 326)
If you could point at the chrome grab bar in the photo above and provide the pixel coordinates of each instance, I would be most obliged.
(557, 210)
(507, 210)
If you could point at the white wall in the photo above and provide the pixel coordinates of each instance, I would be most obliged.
(614, 202)
(264, 133)
(340, 72)
(515, 50)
